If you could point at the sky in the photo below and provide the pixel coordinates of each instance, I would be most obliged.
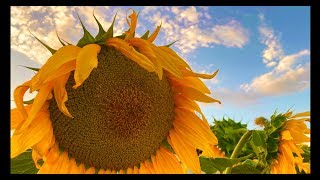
(262, 52)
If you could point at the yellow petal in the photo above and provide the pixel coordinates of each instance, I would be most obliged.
(174, 57)
(194, 94)
(74, 169)
(18, 98)
(193, 83)
(186, 73)
(49, 162)
(63, 165)
(184, 102)
(62, 56)
(16, 117)
(149, 167)
(168, 162)
(131, 53)
(193, 137)
(101, 171)
(143, 169)
(64, 69)
(129, 171)
(86, 61)
(133, 25)
(165, 61)
(43, 146)
(38, 102)
(32, 135)
(186, 153)
(135, 170)
(36, 157)
(144, 48)
(286, 135)
(60, 94)
(192, 121)
(307, 113)
(121, 171)
(91, 170)
(154, 34)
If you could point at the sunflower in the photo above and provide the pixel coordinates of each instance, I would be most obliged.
(113, 105)
(292, 136)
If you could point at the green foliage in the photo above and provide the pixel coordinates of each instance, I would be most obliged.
(245, 169)
(229, 133)
(212, 165)
(23, 164)
(306, 153)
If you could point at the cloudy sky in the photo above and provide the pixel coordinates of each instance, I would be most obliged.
(263, 53)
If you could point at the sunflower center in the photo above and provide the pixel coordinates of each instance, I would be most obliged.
(122, 113)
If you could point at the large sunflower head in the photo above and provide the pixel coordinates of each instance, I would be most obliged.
(114, 105)
(292, 134)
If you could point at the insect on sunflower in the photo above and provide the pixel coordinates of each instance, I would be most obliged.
(114, 105)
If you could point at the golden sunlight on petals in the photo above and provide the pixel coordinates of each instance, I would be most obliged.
(35, 158)
(64, 69)
(307, 113)
(192, 82)
(49, 165)
(38, 102)
(60, 94)
(74, 169)
(131, 53)
(194, 94)
(155, 33)
(145, 49)
(62, 56)
(174, 57)
(168, 162)
(18, 98)
(33, 134)
(91, 170)
(186, 73)
(129, 170)
(187, 154)
(16, 117)
(86, 61)
(286, 135)
(135, 170)
(133, 25)
(63, 165)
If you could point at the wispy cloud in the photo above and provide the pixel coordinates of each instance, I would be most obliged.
(193, 27)
(287, 75)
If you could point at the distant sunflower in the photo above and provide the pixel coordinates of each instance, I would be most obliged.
(292, 136)
(113, 105)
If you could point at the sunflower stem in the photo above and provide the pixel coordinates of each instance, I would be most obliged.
(238, 148)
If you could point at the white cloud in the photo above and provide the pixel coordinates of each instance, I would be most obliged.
(287, 76)
(273, 51)
(194, 29)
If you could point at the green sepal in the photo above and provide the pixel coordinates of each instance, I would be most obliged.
(166, 145)
(63, 44)
(28, 102)
(145, 35)
(108, 34)
(168, 45)
(101, 30)
(48, 47)
(32, 68)
(87, 37)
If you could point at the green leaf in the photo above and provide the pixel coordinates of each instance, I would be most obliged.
(49, 48)
(101, 30)
(259, 138)
(108, 34)
(23, 164)
(145, 35)
(32, 68)
(245, 169)
(209, 165)
(87, 37)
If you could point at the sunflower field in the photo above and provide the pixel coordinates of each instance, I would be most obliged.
(124, 105)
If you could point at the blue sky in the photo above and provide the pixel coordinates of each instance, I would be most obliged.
(262, 53)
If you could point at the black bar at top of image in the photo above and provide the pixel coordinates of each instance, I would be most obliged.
(165, 2)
